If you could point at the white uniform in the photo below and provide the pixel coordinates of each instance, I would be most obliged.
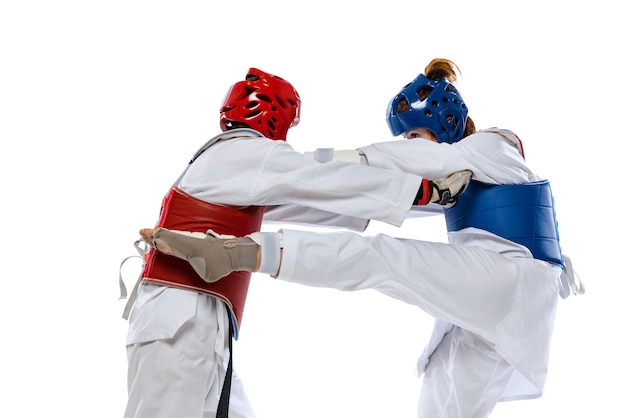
(178, 340)
(494, 304)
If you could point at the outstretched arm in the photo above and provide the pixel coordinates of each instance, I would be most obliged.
(214, 256)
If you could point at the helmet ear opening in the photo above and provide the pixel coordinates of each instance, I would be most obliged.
(452, 125)
(452, 121)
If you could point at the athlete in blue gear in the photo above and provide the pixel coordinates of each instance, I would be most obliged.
(493, 288)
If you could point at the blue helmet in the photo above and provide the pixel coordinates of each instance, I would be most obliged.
(442, 110)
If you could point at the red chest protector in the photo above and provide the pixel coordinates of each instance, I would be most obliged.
(184, 212)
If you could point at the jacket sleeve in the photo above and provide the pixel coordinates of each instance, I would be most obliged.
(490, 156)
(355, 190)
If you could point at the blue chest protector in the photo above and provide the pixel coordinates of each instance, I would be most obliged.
(522, 213)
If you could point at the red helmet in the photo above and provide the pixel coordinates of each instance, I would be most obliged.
(264, 102)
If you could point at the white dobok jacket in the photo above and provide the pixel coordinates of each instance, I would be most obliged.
(513, 306)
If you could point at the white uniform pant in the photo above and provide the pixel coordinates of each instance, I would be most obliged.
(177, 356)
(503, 307)
(465, 378)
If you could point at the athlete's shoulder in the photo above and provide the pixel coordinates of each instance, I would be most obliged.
(507, 134)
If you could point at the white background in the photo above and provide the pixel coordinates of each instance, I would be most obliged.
(102, 103)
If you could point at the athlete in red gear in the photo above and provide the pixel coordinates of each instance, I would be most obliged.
(181, 326)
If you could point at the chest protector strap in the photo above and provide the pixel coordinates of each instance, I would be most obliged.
(182, 211)
(522, 213)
